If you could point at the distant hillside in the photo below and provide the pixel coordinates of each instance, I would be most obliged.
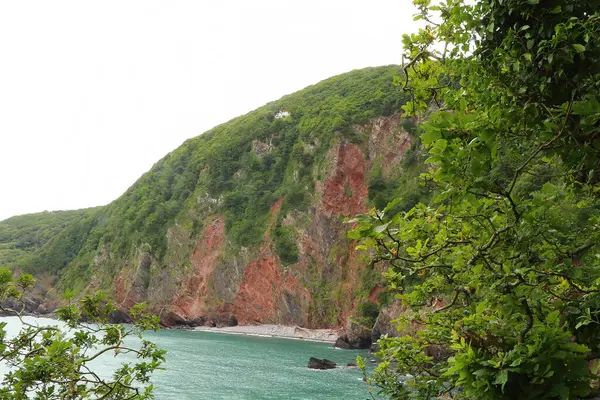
(246, 220)
(22, 237)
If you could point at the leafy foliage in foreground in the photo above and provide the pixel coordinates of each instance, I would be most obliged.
(50, 362)
(500, 272)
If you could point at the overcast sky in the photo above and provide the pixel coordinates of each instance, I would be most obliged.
(92, 93)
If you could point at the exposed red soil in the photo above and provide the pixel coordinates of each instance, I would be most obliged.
(276, 207)
(346, 192)
(262, 290)
(121, 291)
(274, 210)
(374, 292)
(189, 302)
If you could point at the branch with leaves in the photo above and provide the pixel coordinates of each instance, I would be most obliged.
(53, 361)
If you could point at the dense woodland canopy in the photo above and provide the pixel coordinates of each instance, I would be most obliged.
(500, 272)
(22, 236)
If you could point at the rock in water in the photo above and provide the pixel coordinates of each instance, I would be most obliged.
(342, 343)
(359, 336)
(317, 363)
(356, 337)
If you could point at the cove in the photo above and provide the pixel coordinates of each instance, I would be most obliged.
(207, 365)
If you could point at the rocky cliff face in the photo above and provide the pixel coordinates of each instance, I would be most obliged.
(251, 285)
(245, 223)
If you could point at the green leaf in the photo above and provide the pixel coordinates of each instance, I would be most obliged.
(392, 204)
(556, 10)
(382, 228)
(552, 317)
(501, 378)
(579, 48)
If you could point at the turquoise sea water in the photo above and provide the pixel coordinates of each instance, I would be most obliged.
(204, 365)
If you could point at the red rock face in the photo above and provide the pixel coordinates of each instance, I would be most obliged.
(268, 293)
(261, 297)
(261, 291)
(190, 301)
(345, 191)
(373, 295)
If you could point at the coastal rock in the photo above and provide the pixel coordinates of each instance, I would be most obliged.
(342, 343)
(438, 353)
(358, 336)
(29, 305)
(317, 363)
(384, 325)
(214, 321)
(119, 316)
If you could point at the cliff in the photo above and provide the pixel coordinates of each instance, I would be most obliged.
(245, 223)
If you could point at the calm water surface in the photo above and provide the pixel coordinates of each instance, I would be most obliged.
(204, 365)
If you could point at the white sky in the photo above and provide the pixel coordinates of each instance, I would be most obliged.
(92, 93)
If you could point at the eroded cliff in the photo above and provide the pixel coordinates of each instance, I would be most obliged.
(245, 223)
(251, 285)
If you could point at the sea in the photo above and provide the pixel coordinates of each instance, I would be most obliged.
(208, 365)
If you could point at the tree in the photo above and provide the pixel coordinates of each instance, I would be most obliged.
(501, 270)
(50, 362)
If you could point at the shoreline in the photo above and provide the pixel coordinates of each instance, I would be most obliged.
(292, 332)
(276, 331)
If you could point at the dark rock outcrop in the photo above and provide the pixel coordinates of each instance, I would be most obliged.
(342, 343)
(358, 336)
(384, 325)
(214, 321)
(317, 363)
(29, 305)
(119, 316)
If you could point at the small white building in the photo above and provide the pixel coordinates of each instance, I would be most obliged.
(282, 114)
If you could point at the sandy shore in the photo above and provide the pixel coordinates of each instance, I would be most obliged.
(277, 331)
